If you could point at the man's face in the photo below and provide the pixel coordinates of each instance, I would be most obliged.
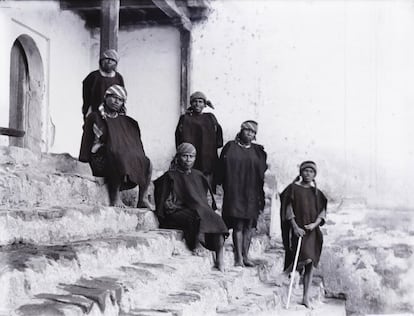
(198, 105)
(114, 102)
(308, 174)
(108, 65)
(247, 135)
(186, 160)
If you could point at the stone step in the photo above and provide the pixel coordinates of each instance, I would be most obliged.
(179, 284)
(133, 259)
(27, 270)
(30, 180)
(27, 179)
(51, 225)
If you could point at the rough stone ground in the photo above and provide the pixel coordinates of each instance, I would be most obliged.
(368, 258)
(143, 273)
(64, 252)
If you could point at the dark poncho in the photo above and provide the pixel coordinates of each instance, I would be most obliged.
(191, 190)
(205, 133)
(241, 172)
(307, 207)
(123, 148)
(94, 87)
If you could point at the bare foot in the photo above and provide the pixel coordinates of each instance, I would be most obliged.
(248, 263)
(238, 264)
(214, 268)
(119, 204)
(198, 251)
(218, 267)
(307, 303)
(219, 264)
(145, 204)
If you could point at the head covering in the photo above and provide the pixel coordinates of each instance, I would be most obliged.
(304, 165)
(250, 124)
(117, 90)
(183, 148)
(308, 164)
(110, 54)
(186, 148)
(201, 95)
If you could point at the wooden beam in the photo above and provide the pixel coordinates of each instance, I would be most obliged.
(170, 8)
(80, 5)
(95, 5)
(185, 38)
(11, 132)
(109, 24)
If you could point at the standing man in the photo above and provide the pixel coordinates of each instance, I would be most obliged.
(98, 81)
(302, 212)
(241, 172)
(202, 131)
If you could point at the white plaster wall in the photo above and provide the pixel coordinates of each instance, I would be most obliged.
(64, 45)
(150, 65)
(327, 80)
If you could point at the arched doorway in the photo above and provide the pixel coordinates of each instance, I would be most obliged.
(26, 93)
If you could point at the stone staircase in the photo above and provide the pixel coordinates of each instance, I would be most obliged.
(63, 251)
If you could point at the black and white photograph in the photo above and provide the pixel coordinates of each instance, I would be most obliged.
(206, 157)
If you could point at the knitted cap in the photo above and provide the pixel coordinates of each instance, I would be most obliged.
(308, 164)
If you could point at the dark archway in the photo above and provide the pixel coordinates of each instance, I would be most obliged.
(26, 93)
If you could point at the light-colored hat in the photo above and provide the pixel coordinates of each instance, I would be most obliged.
(117, 90)
(186, 148)
(201, 95)
(110, 54)
(250, 124)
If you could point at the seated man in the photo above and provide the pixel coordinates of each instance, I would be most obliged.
(181, 203)
(111, 143)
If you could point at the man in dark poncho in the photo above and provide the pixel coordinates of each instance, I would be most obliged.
(241, 172)
(181, 203)
(98, 81)
(111, 143)
(203, 131)
(303, 210)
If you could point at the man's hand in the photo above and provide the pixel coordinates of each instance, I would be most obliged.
(311, 226)
(299, 232)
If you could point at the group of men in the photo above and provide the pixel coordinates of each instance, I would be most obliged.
(111, 144)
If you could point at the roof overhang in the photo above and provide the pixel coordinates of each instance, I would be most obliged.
(143, 12)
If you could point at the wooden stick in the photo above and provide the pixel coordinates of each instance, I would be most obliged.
(295, 263)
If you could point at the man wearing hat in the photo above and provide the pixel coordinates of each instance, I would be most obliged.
(96, 83)
(302, 212)
(111, 143)
(242, 166)
(203, 131)
(181, 203)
